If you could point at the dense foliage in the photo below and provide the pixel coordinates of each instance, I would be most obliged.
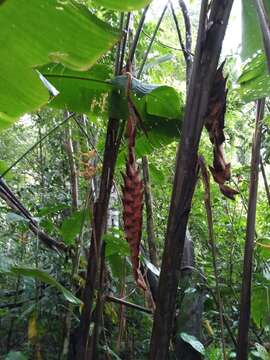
(53, 139)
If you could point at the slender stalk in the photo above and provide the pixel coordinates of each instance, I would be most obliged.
(14, 304)
(117, 69)
(151, 41)
(113, 139)
(124, 44)
(75, 206)
(267, 190)
(72, 169)
(186, 17)
(208, 207)
(210, 37)
(243, 327)
(136, 37)
(186, 51)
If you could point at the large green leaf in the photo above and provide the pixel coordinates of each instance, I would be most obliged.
(46, 278)
(71, 227)
(34, 33)
(251, 32)
(162, 112)
(123, 5)
(116, 243)
(160, 107)
(254, 81)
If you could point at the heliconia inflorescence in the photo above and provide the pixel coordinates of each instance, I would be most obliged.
(133, 201)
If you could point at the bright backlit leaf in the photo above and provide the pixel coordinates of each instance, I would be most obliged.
(123, 5)
(35, 33)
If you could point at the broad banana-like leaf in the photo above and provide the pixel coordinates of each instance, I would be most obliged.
(251, 32)
(35, 33)
(123, 5)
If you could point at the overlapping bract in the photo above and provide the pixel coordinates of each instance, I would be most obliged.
(133, 197)
(132, 213)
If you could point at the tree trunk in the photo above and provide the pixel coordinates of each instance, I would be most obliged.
(99, 224)
(211, 33)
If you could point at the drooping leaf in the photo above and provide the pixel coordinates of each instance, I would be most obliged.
(254, 81)
(117, 264)
(46, 278)
(161, 124)
(192, 341)
(71, 227)
(126, 5)
(260, 308)
(115, 243)
(157, 175)
(34, 33)
(163, 101)
(261, 352)
(251, 33)
(151, 101)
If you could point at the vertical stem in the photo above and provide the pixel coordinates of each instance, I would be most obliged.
(18, 283)
(265, 181)
(72, 169)
(149, 212)
(243, 327)
(118, 68)
(41, 165)
(99, 224)
(74, 202)
(136, 37)
(186, 17)
(151, 42)
(210, 37)
(186, 51)
(208, 207)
